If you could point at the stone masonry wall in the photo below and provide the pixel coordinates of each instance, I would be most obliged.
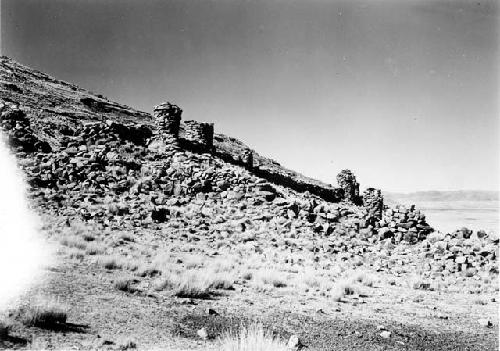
(200, 135)
(167, 119)
(374, 203)
(347, 181)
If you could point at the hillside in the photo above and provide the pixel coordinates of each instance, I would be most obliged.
(164, 228)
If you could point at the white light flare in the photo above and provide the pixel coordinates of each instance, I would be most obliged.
(23, 252)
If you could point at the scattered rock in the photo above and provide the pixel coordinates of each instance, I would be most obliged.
(385, 334)
(294, 343)
(485, 322)
(202, 333)
(211, 311)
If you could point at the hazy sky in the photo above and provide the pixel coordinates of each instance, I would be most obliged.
(404, 93)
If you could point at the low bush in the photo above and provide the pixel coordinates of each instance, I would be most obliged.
(252, 338)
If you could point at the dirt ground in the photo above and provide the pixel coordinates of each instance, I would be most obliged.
(102, 317)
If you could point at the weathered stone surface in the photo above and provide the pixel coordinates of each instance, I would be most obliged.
(374, 203)
(347, 181)
(200, 136)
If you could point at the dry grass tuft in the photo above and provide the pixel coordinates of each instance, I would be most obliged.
(168, 281)
(193, 285)
(46, 314)
(252, 338)
(221, 282)
(95, 248)
(342, 289)
(272, 277)
(365, 279)
(248, 275)
(125, 285)
(75, 242)
(5, 327)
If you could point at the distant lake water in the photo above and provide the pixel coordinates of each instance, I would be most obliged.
(447, 216)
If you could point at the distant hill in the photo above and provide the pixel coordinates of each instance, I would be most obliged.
(458, 195)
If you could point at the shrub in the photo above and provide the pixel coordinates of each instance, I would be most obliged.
(247, 275)
(110, 262)
(125, 285)
(126, 344)
(46, 314)
(94, 249)
(167, 282)
(273, 278)
(74, 242)
(126, 237)
(193, 262)
(219, 282)
(192, 286)
(365, 279)
(5, 327)
(76, 253)
(252, 338)
(342, 289)
(88, 237)
(148, 271)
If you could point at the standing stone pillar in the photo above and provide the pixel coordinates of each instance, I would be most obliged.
(347, 181)
(374, 203)
(167, 118)
(247, 159)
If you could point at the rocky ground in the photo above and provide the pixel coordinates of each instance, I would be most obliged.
(172, 245)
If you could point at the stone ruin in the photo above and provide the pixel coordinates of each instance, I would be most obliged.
(247, 159)
(170, 133)
(199, 135)
(347, 181)
(167, 119)
(374, 204)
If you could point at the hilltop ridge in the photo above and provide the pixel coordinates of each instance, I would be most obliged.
(64, 105)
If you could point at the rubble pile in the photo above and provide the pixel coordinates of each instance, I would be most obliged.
(463, 252)
(403, 223)
(18, 130)
(129, 175)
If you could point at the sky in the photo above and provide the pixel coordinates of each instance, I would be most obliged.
(404, 93)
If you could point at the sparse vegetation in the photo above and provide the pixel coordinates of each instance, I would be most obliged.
(248, 275)
(252, 338)
(5, 327)
(343, 288)
(272, 277)
(47, 313)
(221, 282)
(365, 278)
(95, 248)
(75, 242)
(110, 262)
(125, 285)
(192, 285)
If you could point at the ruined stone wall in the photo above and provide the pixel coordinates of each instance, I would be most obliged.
(404, 223)
(167, 118)
(200, 135)
(374, 203)
(247, 159)
(347, 181)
